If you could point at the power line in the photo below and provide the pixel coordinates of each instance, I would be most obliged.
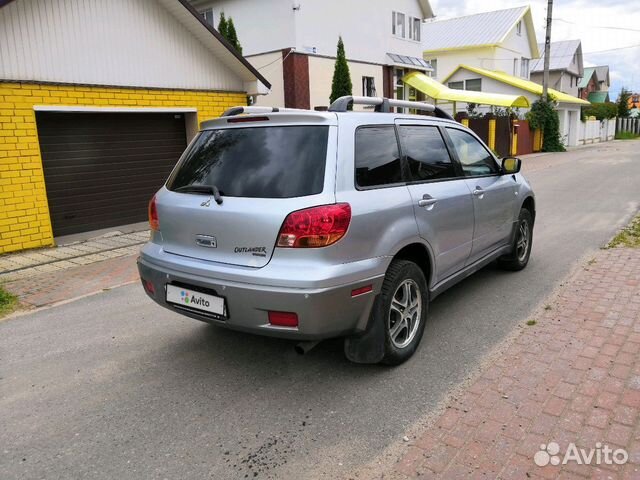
(569, 54)
(598, 26)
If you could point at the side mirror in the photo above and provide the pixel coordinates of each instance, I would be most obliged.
(511, 165)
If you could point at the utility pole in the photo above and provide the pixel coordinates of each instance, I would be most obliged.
(547, 52)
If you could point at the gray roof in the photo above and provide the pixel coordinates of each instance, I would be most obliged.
(561, 57)
(488, 28)
(602, 72)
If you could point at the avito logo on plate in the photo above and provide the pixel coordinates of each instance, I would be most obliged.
(189, 298)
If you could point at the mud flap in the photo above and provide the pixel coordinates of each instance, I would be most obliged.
(367, 347)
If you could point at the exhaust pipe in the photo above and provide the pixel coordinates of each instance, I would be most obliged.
(304, 347)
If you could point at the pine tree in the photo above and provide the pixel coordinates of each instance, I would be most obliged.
(341, 84)
(223, 26)
(623, 103)
(232, 36)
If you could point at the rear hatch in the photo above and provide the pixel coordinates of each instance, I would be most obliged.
(227, 198)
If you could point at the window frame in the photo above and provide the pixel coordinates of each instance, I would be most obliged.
(466, 82)
(454, 152)
(415, 34)
(403, 166)
(519, 28)
(365, 80)
(461, 82)
(524, 62)
(454, 160)
(394, 24)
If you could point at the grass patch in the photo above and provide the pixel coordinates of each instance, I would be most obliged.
(626, 136)
(629, 236)
(8, 302)
(531, 323)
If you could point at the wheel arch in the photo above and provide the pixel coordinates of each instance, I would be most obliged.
(530, 204)
(420, 254)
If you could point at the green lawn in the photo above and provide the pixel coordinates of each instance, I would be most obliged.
(626, 136)
(628, 236)
(8, 302)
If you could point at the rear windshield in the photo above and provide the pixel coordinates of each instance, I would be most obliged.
(264, 162)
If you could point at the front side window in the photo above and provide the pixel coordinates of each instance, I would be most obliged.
(474, 158)
(426, 153)
(377, 157)
(456, 85)
(258, 162)
(398, 24)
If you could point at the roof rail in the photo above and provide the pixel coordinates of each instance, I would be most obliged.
(384, 105)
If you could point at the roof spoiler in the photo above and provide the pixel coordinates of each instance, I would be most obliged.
(384, 105)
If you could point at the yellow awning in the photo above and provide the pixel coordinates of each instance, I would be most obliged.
(438, 91)
(523, 84)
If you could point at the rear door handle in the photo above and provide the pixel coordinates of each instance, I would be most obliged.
(427, 201)
(478, 192)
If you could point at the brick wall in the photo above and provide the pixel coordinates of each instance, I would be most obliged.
(24, 212)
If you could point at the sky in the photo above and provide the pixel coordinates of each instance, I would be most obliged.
(578, 19)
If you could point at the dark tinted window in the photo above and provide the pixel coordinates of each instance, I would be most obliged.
(474, 157)
(377, 157)
(427, 155)
(264, 162)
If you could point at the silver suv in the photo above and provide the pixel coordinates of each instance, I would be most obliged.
(309, 225)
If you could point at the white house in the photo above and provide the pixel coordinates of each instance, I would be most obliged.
(565, 66)
(294, 44)
(500, 82)
(503, 40)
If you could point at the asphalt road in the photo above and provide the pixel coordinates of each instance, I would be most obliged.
(113, 386)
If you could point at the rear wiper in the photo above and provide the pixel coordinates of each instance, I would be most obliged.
(206, 189)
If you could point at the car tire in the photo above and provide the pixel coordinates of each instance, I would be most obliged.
(402, 308)
(522, 243)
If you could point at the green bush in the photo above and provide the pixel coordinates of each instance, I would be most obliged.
(601, 111)
(543, 115)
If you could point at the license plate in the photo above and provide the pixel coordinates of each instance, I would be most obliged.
(190, 298)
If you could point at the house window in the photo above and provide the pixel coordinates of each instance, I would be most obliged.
(398, 25)
(434, 65)
(368, 86)
(208, 16)
(519, 28)
(456, 85)
(515, 67)
(473, 84)
(524, 68)
(414, 28)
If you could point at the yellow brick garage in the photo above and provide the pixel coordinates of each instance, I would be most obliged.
(24, 213)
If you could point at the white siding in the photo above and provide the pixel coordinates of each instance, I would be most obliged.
(365, 26)
(107, 42)
(321, 75)
(270, 65)
(262, 25)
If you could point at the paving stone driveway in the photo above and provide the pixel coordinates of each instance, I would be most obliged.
(573, 377)
(46, 276)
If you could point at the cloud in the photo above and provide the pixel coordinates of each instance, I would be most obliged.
(577, 19)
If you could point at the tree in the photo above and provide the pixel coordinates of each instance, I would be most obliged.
(623, 102)
(222, 25)
(601, 111)
(232, 36)
(341, 84)
(543, 115)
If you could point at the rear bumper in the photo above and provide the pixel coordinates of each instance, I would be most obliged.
(323, 312)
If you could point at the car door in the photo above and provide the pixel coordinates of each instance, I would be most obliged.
(493, 193)
(442, 201)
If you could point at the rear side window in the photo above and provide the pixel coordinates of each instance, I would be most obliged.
(260, 162)
(426, 153)
(377, 156)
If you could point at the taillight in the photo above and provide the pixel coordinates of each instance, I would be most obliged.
(315, 227)
(154, 222)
